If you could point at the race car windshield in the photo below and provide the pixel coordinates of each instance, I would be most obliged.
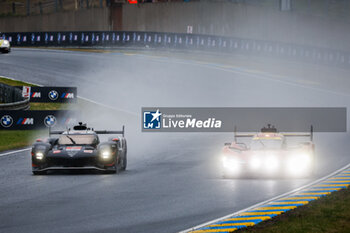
(81, 139)
(262, 143)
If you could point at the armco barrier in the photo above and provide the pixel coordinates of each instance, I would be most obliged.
(19, 105)
(182, 41)
(11, 98)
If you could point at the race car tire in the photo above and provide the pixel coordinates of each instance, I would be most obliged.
(124, 163)
(125, 159)
(39, 172)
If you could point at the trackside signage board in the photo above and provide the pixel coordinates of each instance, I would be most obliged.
(180, 41)
(51, 94)
(27, 120)
(165, 119)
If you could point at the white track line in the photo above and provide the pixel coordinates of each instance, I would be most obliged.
(108, 106)
(14, 152)
(265, 202)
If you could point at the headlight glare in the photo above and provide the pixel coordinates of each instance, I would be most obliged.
(299, 163)
(230, 162)
(255, 163)
(39, 155)
(304, 158)
(106, 154)
(271, 162)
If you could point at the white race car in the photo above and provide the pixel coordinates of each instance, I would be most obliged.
(269, 154)
(5, 46)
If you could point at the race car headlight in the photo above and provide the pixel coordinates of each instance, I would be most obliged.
(230, 162)
(106, 154)
(6, 43)
(39, 155)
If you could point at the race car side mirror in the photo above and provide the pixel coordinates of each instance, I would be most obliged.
(52, 141)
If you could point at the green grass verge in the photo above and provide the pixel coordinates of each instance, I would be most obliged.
(50, 106)
(14, 139)
(328, 214)
(12, 82)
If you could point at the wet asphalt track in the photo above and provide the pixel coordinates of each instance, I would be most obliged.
(172, 181)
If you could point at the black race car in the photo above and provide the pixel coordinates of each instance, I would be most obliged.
(79, 148)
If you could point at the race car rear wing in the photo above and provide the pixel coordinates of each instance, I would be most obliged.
(122, 132)
(111, 132)
(302, 134)
(310, 134)
(241, 135)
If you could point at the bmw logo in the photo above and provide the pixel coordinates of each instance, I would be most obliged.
(50, 121)
(53, 95)
(6, 121)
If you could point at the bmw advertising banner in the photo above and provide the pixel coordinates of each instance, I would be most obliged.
(27, 120)
(53, 94)
(165, 119)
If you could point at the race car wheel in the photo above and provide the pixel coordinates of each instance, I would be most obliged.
(125, 159)
(124, 162)
(39, 172)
